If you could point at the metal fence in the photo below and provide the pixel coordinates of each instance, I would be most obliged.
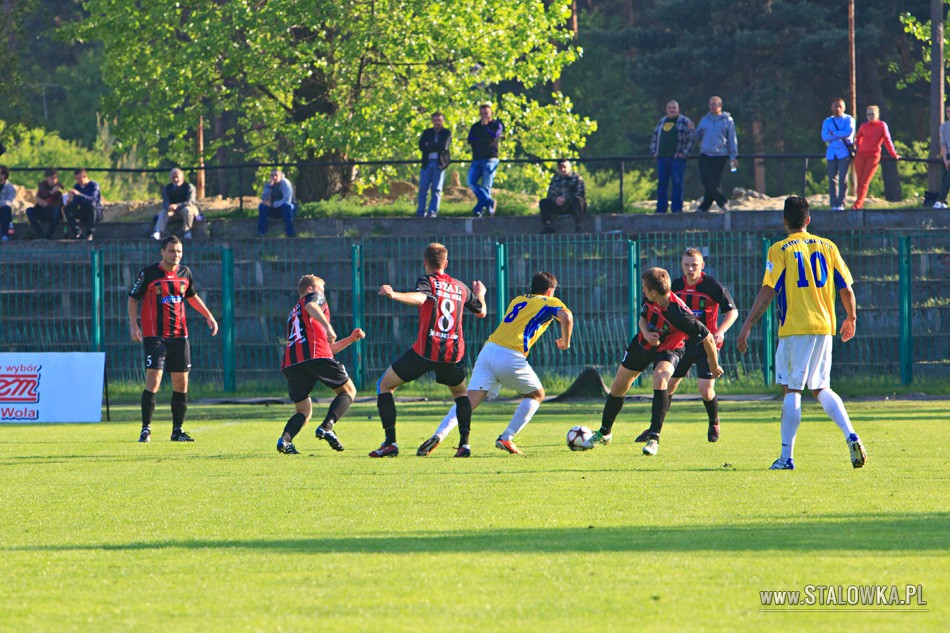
(73, 297)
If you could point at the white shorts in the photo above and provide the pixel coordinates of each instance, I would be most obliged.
(498, 366)
(804, 360)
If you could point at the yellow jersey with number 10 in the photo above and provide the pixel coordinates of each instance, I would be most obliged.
(807, 272)
(526, 319)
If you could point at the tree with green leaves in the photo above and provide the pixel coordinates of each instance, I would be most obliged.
(317, 81)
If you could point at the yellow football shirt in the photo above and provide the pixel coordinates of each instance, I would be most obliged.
(526, 319)
(806, 271)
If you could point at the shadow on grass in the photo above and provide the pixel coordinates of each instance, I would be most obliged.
(856, 533)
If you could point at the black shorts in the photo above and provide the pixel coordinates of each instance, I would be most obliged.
(303, 377)
(410, 366)
(694, 355)
(637, 359)
(173, 354)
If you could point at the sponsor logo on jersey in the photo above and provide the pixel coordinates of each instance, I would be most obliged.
(171, 299)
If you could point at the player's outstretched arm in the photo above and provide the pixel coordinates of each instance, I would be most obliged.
(203, 310)
(849, 325)
(342, 344)
(566, 323)
(759, 306)
(409, 298)
(479, 289)
(134, 330)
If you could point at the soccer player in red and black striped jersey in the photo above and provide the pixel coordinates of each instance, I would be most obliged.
(665, 325)
(308, 358)
(163, 289)
(707, 299)
(439, 346)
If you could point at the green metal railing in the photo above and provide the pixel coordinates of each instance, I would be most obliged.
(72, 297)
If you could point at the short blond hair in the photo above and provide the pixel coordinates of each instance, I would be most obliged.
(307, 281)
(693, 252)
(875, 109)
(436, 256)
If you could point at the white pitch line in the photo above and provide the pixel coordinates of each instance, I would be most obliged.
(216, 426)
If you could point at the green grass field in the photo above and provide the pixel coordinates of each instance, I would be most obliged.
(100, 533)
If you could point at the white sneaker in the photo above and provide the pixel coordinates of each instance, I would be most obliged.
(939, 205)
(651, 447)
(156, 235)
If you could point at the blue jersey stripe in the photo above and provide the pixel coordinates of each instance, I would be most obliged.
(544, 315)
(781, 301)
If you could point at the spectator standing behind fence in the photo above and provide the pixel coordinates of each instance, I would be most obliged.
(7, 197)
(483, 136)
(716, 134)
(83, 206)
(49, 206)
(565, 195)
(941, 202)
(867, 143)
(838, 133)
(277, 201)
(434, 145)
(178, 203)
(671, 144)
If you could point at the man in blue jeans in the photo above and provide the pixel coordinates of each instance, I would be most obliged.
(277, 201)
(483, 136)
(671, 144)
(434, 145)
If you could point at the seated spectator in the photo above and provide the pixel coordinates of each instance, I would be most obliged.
(565, 195)
(83, 206)
(178, 202)
(49, 206)
(7, 197)
(277, 201)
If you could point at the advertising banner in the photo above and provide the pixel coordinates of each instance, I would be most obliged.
(51, 387)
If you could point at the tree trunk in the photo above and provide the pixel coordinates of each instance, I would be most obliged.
(320, 182)
(758, 147)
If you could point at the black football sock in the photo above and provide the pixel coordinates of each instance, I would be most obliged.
(294, 424)
(611, 410)
(661, 403)
(179, 408)
(387, 414)
(463, 410)
(712, 408)
(338, 408)
(148, 408)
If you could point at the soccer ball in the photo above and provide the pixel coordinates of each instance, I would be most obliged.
(577, 436)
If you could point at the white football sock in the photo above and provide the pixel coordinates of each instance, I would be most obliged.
(834, 407)
(449, 422)
(523, 414)
(791, 418)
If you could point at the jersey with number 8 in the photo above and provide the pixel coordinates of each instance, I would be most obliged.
(806, 271)
(440, 317)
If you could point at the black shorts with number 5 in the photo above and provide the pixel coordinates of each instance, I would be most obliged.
(637, 359)
(172, 354)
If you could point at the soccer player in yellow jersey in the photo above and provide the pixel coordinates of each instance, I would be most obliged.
(503, 360)
(804, 272)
